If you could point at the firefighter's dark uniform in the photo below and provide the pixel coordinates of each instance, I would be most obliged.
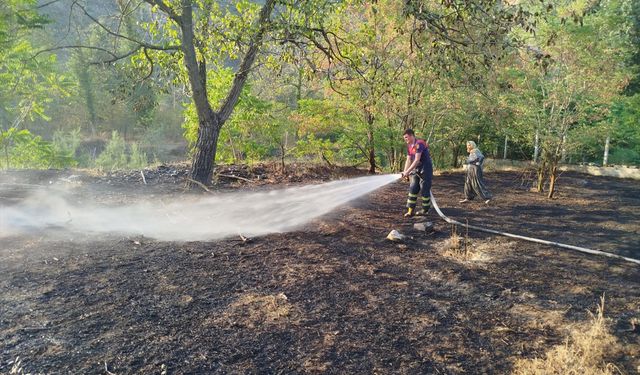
(420, 177)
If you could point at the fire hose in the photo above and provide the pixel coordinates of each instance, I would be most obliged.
(530, 239)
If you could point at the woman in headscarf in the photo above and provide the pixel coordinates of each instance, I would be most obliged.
(474, 184)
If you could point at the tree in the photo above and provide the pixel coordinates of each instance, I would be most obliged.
(570, 78)
(190, 38)
(210, 121)
(27, 83)
(186, 31)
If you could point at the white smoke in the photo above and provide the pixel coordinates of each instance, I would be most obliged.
(190, 219)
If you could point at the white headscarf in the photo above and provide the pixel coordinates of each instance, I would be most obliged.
(475, 153)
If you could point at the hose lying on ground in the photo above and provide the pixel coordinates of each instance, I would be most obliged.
(582, 249)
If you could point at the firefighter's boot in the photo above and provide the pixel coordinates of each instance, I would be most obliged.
(409, 212)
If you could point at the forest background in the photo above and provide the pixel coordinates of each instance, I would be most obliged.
(127, 84)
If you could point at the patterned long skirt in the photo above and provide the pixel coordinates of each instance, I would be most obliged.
(474, 184)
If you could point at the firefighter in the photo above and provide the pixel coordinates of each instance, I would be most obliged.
(419, 169)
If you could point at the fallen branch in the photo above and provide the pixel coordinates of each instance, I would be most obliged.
(326, 160)
(236, 177)
(143, 179)
(200, 184)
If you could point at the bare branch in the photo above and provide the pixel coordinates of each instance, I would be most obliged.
(117, 57)
(109, 31)
(146, 54)
(76, 46)
(47, 4)
(332, 85)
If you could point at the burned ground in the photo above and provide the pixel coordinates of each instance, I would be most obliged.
(331, 297)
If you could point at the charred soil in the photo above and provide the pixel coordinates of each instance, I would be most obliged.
(331, 297)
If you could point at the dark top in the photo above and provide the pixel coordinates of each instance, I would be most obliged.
(420, 146)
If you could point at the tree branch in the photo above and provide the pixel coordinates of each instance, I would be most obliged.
(47, 4)
(167, 9)
(243, 72)
(77, 46)
(109, 31)
(146, 54)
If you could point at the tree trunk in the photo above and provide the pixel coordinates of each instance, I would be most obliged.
(391, 152)
(371, 152)
(211, 122)
(86, 85)
(456, 154)
(235, 152)
(605, 158)
(553, 176)
(6, 155)
(205, 151)
(282, 154)
(208, 122)
(536, 148)
(541, 177)
(506, 141)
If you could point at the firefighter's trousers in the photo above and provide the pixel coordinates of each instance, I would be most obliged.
(420, 184)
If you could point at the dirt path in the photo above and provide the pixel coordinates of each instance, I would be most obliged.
(333, 297)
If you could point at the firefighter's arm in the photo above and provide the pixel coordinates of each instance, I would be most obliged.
(409, 168)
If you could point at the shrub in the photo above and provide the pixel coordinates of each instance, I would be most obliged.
(114, 155)
(138, 159)
(21, 149)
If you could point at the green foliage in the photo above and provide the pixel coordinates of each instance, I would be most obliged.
(28, 81)
(311, 148)
(114, 156)
(257, 129)
(218, 83)
(624, 156)
(138, 159)
(449, 70)
(21, 149)
(67, 143)
(326, 129)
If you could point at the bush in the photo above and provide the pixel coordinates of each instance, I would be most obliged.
(65, 147)
(66, 143)
(21, 149)
(624, 156)
(138, 159)
(114, 156)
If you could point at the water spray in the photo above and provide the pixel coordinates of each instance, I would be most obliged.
(191, 219)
